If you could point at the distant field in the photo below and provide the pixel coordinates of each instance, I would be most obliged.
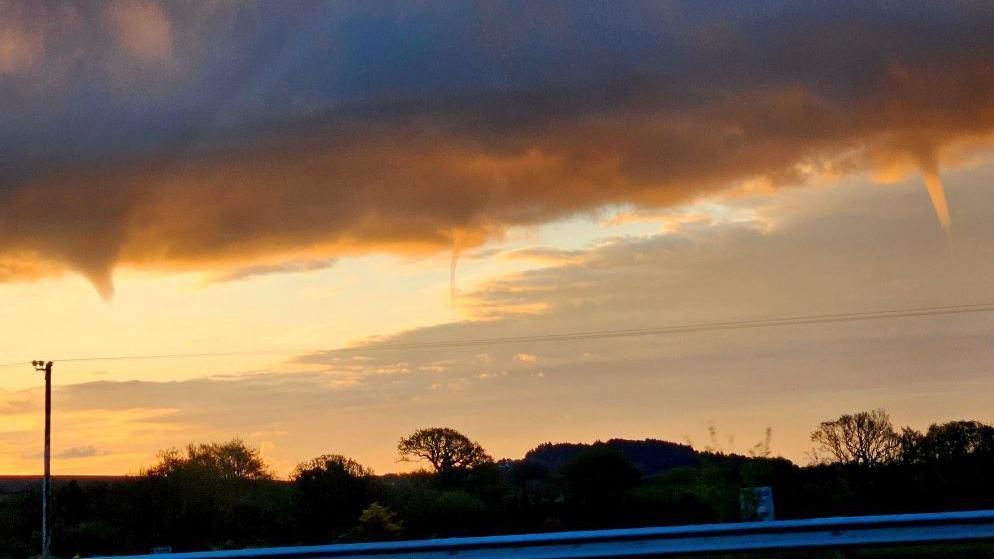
(13, 484)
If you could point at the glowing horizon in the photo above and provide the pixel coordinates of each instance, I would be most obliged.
(181, 178)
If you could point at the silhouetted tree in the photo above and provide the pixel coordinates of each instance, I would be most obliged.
(524, 473)
(221, 495)
(331, 492)
(598, 478)
(213, 494)
(947, 442)
(863, 439)
(447, 450)
(229, 460)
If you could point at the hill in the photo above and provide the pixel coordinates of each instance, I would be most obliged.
(650, 456)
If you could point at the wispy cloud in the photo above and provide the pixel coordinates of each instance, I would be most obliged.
(292, 267)
(544, 255)
(74, 452)
(81, 452)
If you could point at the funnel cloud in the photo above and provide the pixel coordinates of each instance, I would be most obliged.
(226, 137)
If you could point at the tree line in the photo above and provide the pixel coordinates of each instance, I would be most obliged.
(223, 495)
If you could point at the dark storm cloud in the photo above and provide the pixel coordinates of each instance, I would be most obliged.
(227, 136)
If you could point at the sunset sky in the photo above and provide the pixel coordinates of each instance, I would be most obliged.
(294, 177)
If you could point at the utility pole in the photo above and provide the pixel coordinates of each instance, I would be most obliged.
(46, 483)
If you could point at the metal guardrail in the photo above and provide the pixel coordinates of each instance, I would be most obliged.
(837, 532)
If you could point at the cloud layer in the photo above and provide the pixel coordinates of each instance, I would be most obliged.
(788, 259)
(181, 136)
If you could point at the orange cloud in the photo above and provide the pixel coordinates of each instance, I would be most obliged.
(142, 30)
(19, 49)
(424, 174)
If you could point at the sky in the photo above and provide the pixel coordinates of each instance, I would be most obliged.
(297, 177)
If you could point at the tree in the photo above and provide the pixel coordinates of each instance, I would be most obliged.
(232, 460)
(331, 465)
(863, 439)
(378, 522)
(525, 473)
(948, 442)
(447, 450)
(599, 477)
(211, 494)
(331, 492)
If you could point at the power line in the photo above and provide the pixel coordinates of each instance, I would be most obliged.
(577, 336)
